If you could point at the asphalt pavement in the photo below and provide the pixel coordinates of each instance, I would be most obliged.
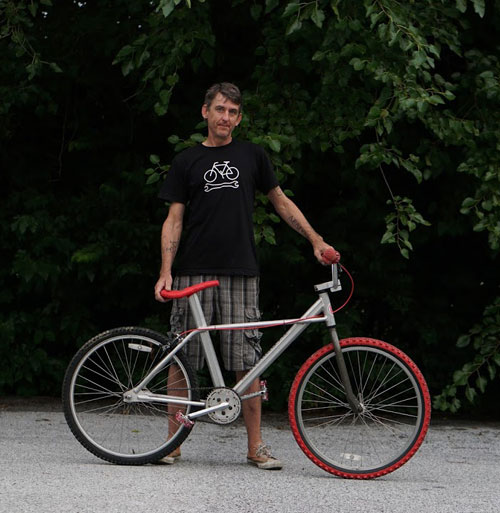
(44, 469)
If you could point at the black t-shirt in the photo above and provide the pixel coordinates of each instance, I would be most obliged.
(218, 184)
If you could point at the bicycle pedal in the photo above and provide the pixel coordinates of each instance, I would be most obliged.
(263, 389)
(183, 419)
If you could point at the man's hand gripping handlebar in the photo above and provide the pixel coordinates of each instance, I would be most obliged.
(188, 291)
(330, 256)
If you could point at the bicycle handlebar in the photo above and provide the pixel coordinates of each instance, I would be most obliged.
(188, 291)
(331, 256)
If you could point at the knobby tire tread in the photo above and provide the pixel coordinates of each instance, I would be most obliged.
(293, 407)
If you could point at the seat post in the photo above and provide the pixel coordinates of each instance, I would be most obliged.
(206, 341)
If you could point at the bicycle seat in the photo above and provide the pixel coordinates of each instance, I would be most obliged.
(188, 291)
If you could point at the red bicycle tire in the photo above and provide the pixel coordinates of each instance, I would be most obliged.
(310, 451)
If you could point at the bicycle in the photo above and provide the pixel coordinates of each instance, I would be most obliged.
(224, 170)
(358, 407)
(221, 176)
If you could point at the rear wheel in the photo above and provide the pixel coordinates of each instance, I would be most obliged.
(395, 416)
(103, 369)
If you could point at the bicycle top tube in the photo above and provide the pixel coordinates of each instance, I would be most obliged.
(188, 291)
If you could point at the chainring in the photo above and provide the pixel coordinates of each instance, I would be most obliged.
(229, 413)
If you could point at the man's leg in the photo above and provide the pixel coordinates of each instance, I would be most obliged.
(176, 385)
(238, 302)
(252, 415)
(258, 453)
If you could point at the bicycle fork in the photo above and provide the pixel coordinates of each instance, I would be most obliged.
(353, 401)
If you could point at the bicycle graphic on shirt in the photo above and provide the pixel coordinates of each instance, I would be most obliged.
(221, 175)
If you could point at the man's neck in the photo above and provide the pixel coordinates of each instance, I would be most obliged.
(212, 142)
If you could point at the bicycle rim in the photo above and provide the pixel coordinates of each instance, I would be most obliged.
(105, 368)
(376, 441)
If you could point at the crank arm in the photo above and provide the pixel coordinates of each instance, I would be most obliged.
(206, 411)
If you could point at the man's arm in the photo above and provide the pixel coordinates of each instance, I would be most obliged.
(170, 238)
(290, 213)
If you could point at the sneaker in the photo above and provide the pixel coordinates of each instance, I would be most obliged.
(170, 459)
(264, 460)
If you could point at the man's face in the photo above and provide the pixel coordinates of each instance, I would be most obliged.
(222, 117)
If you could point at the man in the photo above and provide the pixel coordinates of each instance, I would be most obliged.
(217, 180)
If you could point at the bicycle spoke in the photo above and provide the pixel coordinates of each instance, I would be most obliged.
(103, 410)
(333, 399)
(106, 376)
(397, 393)
(380, 385)
(99, 388)
(98, 398)
(336, 419)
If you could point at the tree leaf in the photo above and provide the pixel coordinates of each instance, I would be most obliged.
(470, 393)
(153, 179)
(127, 67)
(481, 383)
(199, 138)
(479, 7)
(463, 341)
(460, 377)
(167, 7)
(388, 237)
(293, 27)
(318, 17)
(291, 8)
(275, 145)
(357, 63)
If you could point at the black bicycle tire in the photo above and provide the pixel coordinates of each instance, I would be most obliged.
(68, 400)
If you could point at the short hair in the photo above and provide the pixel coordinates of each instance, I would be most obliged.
(228, 90)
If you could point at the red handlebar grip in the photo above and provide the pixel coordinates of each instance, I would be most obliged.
(330, 256)
(188, 291)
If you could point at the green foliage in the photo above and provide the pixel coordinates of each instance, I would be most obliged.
(157, 54)
(400, 223)
(382, 116)
(474, 376)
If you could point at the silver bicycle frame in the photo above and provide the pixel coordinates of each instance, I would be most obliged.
(299, 325)
(312, 315)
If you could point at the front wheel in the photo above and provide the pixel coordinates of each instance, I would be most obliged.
(389, 429)
(130, 433)
(232, 173)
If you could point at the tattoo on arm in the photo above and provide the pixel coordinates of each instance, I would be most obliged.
(294, 223)
(172, 247)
